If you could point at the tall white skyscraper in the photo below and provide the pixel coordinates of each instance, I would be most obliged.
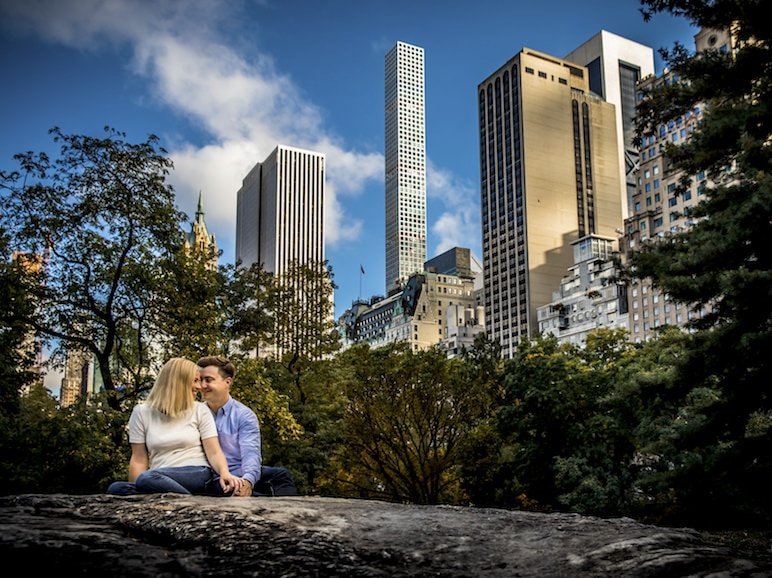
(280, 222)
(405, 178)
(280, 210)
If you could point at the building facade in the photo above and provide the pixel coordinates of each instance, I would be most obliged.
(436, 307)
(405, 168)
(280, 210)
(549, 175)
(590, 295)
(431, 309)
(615, 65)
(198, 239)
(280, 222)
(658, 210)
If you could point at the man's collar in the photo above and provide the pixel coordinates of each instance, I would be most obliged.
(226, 407)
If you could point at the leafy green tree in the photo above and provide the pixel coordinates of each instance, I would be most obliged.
(566, 446)
(594, 475)
(199, 310)
(406, 416)
(297, 360)
(304, 325)
(722, 391)
(252, 387)
(99, 211)
(77, 450)
(309, 455)
(18, 348)
(484, 453)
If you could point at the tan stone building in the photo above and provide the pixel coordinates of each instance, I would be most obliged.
(550, 175)
(198, 238)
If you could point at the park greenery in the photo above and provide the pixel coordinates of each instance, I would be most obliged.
(675, 430)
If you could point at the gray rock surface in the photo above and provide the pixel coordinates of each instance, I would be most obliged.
(171, 535)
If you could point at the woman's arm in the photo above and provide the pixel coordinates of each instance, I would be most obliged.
(139, 461)
(216, 458)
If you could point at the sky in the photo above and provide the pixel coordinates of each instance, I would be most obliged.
(223, 82)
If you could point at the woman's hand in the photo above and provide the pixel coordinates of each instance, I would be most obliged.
(230, 483)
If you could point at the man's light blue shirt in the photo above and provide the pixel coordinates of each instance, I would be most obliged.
(239, 433)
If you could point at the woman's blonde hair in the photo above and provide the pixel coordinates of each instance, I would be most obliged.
(172, 393)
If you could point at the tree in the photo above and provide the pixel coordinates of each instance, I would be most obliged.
(199, 311)
(566, 447)
(18, 347)
(722, 261)
(406, 417)
(481, 471)
(96, 215)
(303, 323)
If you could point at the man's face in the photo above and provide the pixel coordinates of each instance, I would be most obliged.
(214, 387)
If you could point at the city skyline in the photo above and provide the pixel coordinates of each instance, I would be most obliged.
(222, 88)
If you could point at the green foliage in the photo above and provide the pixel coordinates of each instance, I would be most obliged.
(319, 413)
(565, 446)
(76, 450)
(97, 213)
(305, 329)
(252, 388)
(199, 310)
(17, 345)
(723, 261)
(406, 417)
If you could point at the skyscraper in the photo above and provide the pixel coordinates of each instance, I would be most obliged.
(615, 65)
(279, 224)
(549, 175)
(280, 210)
(405, 171)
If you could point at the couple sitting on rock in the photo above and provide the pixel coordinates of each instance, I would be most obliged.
(185, 446)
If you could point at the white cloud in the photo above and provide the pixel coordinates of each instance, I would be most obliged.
(459, 222)
(243, 104)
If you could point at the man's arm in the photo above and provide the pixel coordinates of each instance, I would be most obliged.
(249, 444)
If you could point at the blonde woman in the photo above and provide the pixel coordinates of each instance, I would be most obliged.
(173, 437)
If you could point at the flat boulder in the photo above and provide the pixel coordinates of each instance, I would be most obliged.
(168, 535)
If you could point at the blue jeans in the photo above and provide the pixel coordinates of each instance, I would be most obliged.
(181, 480)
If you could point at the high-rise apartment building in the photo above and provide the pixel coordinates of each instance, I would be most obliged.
(615, 65)
(280, 219)
(549, 175)
(405, 170)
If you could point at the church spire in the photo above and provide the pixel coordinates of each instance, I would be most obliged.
(200, 209)
(199, 238)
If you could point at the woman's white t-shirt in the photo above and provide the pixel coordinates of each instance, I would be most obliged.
(172, 442)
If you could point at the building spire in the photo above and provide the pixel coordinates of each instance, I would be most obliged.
(199, 238)
(200, 208)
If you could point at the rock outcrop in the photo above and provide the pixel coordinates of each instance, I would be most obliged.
(172, 535)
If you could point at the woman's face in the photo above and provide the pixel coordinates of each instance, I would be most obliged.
(196, 385)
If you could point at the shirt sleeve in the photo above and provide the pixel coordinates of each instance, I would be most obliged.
(249, 444)
(137, 426)
(206, 425)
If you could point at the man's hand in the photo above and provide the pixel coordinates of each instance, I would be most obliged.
(244, 490)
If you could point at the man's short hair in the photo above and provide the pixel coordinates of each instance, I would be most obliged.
(223, 364)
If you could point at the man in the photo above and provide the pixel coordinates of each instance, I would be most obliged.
(239, 433)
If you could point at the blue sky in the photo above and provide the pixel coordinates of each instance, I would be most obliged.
(222, 82)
